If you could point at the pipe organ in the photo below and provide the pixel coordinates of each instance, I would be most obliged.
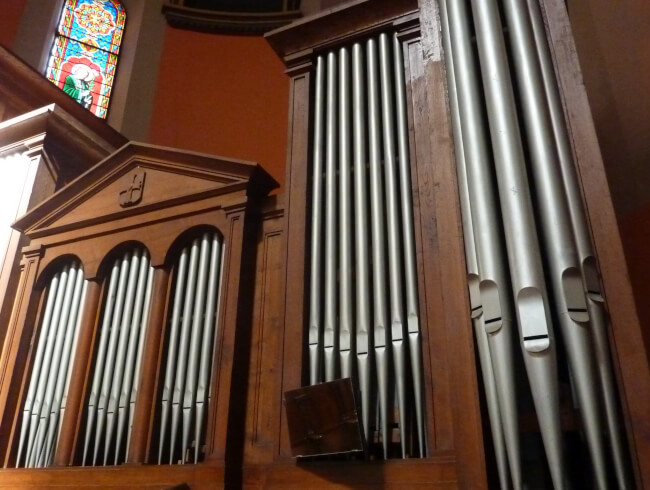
(109, 417)
(363, 319)
(189, 354)
(443, 238)
(542, 218)
(45, 401)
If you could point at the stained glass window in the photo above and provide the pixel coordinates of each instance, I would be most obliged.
(85, 51)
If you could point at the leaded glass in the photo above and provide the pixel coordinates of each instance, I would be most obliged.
(85, 51)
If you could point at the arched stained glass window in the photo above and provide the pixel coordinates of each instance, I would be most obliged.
(85, 51)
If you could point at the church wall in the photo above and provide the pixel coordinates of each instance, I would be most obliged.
(615, 62)
(12, 11)
(226, 95)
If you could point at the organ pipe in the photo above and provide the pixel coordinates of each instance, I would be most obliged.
(363, 317)
(193, 326)
(562, 255)
(565, 241)
(380, 330)
(124, 316)
(371, 326)
(586, 254)
(43, 409)
(473, 276)
(315, 311)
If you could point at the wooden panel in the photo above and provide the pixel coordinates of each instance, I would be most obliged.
(627, 341)
(432, 473)
(202, 476)
(440, 427)
(296, 258)
(461, 367)
(264, 378)
(17, 346)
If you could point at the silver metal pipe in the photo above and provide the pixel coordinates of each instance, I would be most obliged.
(132, 346)
(363, 321)
(209, 326)
(109, 360)
(46, 429)
(189, 394)
(111, 297)
(38, 362)
(380, 317)
(346, 325)
(124, 333)
(68, 335)
(172, 356)
(494, 286)
(393, 227)
(471, 260)
(562, 253)
(146, 309)
(315, 294)
(408, 234)
(586, 252)
(36, 428)
(58, 332)
(179, 380)
(330, 327)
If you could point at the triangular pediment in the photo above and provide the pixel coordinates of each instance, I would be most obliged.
(136, 179)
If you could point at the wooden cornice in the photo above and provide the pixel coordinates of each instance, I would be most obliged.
(23, 89)
(349, 20)
(65, 139)
(222, 22)
(222, 175)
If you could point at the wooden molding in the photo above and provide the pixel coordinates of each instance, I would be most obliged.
(225, 22)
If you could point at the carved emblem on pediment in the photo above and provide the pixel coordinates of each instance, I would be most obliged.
(131, 193)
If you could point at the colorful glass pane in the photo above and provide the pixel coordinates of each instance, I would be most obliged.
(85, 51)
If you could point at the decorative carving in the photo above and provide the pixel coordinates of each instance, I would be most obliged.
(132, 194)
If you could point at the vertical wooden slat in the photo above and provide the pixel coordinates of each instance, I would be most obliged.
(16, 347)
(296, 231)
(461, 368)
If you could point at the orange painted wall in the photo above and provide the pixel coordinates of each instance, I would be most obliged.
(225, 95)
(12, 11)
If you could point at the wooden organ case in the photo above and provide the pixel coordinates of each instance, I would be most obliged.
(288, 272)
(128, 300)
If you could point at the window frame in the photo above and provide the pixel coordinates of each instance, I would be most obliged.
(59, 38)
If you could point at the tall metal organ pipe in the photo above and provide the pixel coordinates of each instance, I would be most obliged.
(315, 291)
(473, 276)
(567, 249)
(586, 254)
(524, 257)
(410, 273)
(364, 347)
(562, 255)
(42, 412)
(380, 325)
(368, 221)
